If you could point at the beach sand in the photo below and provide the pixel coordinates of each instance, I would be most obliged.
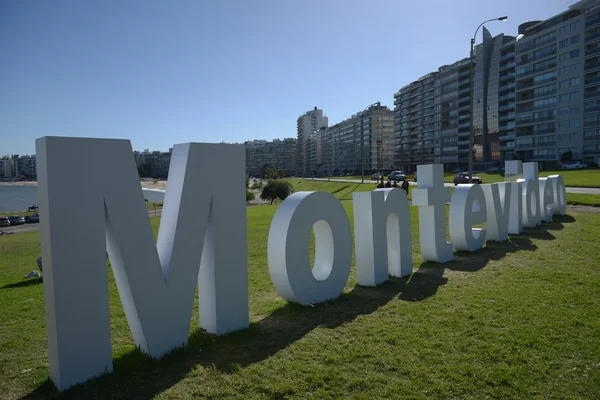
(145, 184)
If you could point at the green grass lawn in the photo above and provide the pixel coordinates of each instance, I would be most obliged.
(515, 320)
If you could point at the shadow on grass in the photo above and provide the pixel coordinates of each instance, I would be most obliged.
(29, 282)
(136, 375)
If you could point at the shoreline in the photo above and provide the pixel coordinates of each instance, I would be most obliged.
(145, 184)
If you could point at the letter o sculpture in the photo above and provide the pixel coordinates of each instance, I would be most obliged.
(288, 248)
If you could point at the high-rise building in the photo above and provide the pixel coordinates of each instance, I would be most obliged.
(27, 167)
(307, 124)
(339, 149)
(534, 98)
(278, 154)
(6, 170)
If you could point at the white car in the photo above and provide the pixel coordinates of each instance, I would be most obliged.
(575, 165)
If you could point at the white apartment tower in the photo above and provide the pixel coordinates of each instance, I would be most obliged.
(308, 123)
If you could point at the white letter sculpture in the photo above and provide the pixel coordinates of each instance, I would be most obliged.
(86, 211)
(467, 208)
(497, 198)
(431, 198)
(546, 199)
(288, 247)
(513, 172)
(531, 195)
(382, 236)
(559, 205)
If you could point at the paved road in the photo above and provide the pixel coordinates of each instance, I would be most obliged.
(36, 227)
(569, 189)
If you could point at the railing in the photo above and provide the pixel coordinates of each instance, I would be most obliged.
(591, 37)
(507, 97)
(591, 95)
(592, 22)
(592, 80)
(592, 51)
(591, 109)
(592, 65)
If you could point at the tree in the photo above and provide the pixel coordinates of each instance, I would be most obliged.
(249, 195)
(276, 189)
(566, 157)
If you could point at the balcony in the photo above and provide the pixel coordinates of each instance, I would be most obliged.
(507, 56)
(594, 65)
(507, 137)
(509, 96)
(591, 124)
(592, 109)
(463, 142)
(507, 77)
(591, 52)
(509, 106)
(592, 37)
(591, 95)
(589, 81)
(464, 125)
(464, 91)
(592, 22)
(507, 86)
(507, 116)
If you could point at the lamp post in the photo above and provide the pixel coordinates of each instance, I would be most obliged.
(362, 142)
(471, 100)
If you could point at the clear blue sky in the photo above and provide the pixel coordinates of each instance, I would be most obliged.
(165, 72)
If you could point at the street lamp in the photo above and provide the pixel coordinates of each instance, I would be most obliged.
(362, 142)
(472, 67)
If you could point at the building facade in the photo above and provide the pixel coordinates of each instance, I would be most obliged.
(536, 97)
(307, 124)
(278, 154)
(365, 141)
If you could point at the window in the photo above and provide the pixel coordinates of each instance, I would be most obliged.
(544, 103)
(563, 43)
(574, 110)
(574, 39)
(568, 96)
(574, 26)
(574, 81)
(563, 71)
(563, 124)
(574, 123)
(574, 67)
(563, 84)
(574, 53)
(563, 57)
(563, 111)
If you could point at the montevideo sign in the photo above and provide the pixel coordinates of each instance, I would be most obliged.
(91, 203)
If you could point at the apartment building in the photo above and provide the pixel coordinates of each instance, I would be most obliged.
(278, 154)
(432, 114)
(154, 164)
(365, 141)
(307, 124)
(535, 97)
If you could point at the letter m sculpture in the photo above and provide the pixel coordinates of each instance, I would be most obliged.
(91, 202)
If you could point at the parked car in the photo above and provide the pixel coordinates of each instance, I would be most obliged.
(375, 177)
(494, 170)
(35, 218)
(575, 165)
(16, 219)
(397, 176)
(4, 221)
(463, 177)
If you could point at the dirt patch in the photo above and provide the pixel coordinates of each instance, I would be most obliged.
(585, 209)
